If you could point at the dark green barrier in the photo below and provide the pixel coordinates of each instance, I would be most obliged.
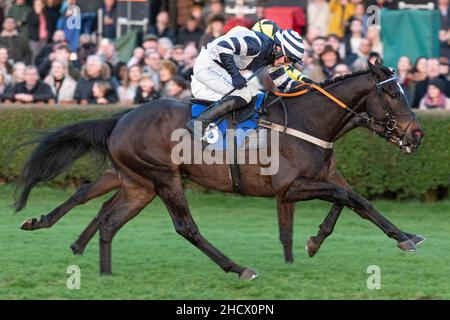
(372, 166)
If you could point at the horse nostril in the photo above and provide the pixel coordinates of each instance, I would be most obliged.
(418, 133)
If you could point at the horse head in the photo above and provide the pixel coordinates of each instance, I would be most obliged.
(389, 109)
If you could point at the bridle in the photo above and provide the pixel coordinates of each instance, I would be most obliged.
(390, 124)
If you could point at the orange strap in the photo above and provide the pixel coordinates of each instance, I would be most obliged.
(301, 92)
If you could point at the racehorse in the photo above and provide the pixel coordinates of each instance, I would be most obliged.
(139, 147)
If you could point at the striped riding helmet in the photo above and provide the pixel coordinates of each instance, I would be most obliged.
(291, 44)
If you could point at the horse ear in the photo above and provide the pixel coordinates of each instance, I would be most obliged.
(376, 69)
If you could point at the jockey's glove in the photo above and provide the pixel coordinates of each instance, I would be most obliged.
(238, 81)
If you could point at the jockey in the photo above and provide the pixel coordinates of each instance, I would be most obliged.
(269, 28)
(222, 65)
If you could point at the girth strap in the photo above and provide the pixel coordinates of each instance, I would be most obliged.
(235, 172)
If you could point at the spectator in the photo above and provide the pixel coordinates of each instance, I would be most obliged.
(444, 10)
(31, 90)
(177, 56)
(67, 23)
(3, 83)
(87, 48)
(40, 27)
(177, 88)
(93, 71)
(214, 29)
(127, 91)
(360, 63)
(101, 93)
(109, 19)
(360, 13)
(53, 9)
(19, 12)
(317, 46)
(146, 91)
(312, 33)
(137, 58)
(190, 55)
(161, 28)
(150, 41)
(215, 7)
(328, 60)
(341, 11)
(58, 38)
(165, 47)
(152, 66)
(16, 43)
(167, 71)
(334, 41)
(318, 16)
(403, 72)
(88, 10)
(119, 73)
(341, 70)
(444, 67)
(62, 53)
(191, 32)
(18, 74)
(432, 73)
(435, 97)
(373, 34)
(107, 51)
(444, 42)
(5, 67)
(61, 83)
(353, 41)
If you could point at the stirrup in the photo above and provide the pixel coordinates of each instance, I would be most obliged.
(211, 134)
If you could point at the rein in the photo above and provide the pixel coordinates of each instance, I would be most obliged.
(389, 126)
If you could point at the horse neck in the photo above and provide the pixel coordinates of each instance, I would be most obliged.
(323, 118)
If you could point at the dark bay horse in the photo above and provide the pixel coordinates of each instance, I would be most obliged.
(139, 147)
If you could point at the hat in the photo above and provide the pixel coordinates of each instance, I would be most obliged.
(439, 83)
(150, 37)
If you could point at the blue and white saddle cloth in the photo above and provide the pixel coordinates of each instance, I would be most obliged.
(243, 129)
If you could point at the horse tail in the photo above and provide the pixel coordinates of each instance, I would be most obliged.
(58, 149)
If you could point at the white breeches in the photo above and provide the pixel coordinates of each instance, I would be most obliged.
(211, 82)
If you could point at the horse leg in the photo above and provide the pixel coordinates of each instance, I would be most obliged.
(129, 202)
(327, 226)
(83, 239)
(176, 203)
(305, 189)
(107, 182)
(286, 227)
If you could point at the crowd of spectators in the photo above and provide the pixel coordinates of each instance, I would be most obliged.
(43, 62)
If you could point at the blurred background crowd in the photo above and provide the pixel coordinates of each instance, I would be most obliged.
(44, 61)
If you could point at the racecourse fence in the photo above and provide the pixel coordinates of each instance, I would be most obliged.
(373, 167)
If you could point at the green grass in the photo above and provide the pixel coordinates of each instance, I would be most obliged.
(150, 261)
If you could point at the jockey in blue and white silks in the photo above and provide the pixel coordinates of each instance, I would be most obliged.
(222, 65)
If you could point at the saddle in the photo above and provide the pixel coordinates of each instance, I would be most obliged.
(244, 121)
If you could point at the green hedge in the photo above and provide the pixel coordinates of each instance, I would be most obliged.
(372, 166)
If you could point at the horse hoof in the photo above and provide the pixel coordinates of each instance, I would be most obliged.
(248, 274)
(311, 247)
(417, 239)
(106, 273)
(28, 224)
(407, 245)
(76, 249)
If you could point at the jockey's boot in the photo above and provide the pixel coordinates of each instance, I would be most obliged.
(221, 108)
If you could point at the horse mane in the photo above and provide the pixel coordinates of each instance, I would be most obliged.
(329, 82)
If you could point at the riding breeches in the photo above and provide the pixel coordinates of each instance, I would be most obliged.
(211, 82)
